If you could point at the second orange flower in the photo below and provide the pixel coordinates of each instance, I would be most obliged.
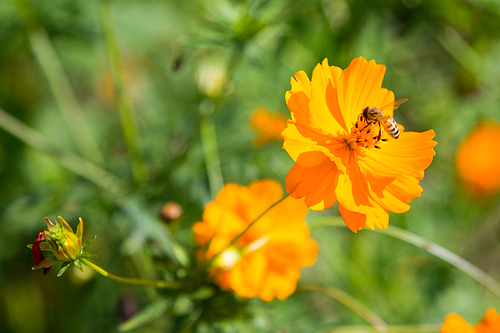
(343, 157)
(266, 260)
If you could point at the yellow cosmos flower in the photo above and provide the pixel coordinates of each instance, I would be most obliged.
(454, 323)
(477, 159)
(341, 155)
(267, 126)
(266, 260)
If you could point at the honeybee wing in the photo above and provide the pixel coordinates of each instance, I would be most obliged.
(394, 105)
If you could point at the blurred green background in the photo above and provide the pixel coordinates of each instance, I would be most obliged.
(57, 63)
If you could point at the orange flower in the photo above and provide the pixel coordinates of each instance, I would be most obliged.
(267, 125)
(266, 260)
(341, 156)
(453, 323)
(477, 159)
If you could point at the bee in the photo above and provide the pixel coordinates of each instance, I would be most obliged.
(374, 114)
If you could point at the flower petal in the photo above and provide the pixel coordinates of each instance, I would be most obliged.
(320, 116)
(360, 85)
(36, 252)
(65, 225)
(352, 190)
(298, 141)
(279, 284)
(453, 323)
(394, 194)
(409, 155)
(300, 83)
(301, 181)
(379, 219)
(490, 322)
(46, 264)
(354, 220)
(254, 266)
(79, 229)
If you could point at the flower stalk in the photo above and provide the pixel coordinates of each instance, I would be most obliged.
(444, 254)
(139, 282)
(350, 302)
(78, 165)
(125, 107)
(235, 239)
(211, 152)
(51, 66)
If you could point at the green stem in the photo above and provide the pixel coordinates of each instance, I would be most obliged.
(461, 50)
(468, 268)
(208, 131)
(129, 125)
(76, 164)
(139, 282)
(446, 255)
(425, 328)
(59, 84)
(350, 302)
(235, 239)
(334, 221)
(211, 152)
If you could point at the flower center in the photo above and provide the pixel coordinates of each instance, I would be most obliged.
(228, 258)
(365, 134)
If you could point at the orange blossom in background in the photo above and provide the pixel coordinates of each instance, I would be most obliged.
(453, 323)
(477, 159)
(266, 260)
(267, 126)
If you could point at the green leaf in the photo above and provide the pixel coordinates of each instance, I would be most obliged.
(64, 267)
(88, 255)
(150, 312)
(78, 264)
(88, 242)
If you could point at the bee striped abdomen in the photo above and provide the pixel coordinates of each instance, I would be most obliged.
(391, 127)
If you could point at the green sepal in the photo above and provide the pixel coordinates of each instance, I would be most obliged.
(88, 242)
(78, 264)
(29, 246)
(88, 255)
(64, 267)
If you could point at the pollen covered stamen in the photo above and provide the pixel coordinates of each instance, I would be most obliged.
(364, 134)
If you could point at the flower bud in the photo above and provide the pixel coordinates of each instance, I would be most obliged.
(64, 243)
(212, 77)
(171, 211)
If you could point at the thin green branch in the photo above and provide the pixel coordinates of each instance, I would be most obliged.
(211, 152)
(446, 255)
(59, 84)
(129, 125)
(333, 221)
(465, 266)
(350, 302)
(76, 164)
(138, 282)
(235, 239)
(425, 328)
